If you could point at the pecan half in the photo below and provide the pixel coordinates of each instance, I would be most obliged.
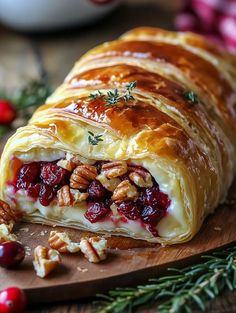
(125, 191)
(5, 233)
(45, 260)
(140, 177)
(114, 169)
(67, 196)
(82, 176)
(62, 242)
(7, 214)
(94, 248)
(109, 184)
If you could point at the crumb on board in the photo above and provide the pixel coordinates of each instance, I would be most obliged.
(25, 229)
(217, 228)
(82, 269)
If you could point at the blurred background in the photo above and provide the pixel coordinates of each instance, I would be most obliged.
(40, 40)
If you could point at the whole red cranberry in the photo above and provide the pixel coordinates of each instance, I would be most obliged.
(12, 300)
(12, 253)
(7, 112)
(46, 194)
(33, 190)
(52, 174)
(27, 174)
(151, 215)
(96, 211)
(96, 191)
(129, 209)
(149, 196)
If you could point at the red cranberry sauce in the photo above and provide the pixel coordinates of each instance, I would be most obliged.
(42, 180)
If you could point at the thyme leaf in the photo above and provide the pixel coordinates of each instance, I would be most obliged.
(191, 97)
(113, 96)
(94, 139)
(95, 95)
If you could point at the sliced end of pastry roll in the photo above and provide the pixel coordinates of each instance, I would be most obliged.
(133, 143)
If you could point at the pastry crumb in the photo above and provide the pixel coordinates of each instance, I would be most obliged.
(217, 228)
(42, 233)
(82, 269)
(25, 229)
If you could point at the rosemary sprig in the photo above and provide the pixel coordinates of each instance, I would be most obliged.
(94, 139)
(191, 97)
(113, 96)
(194, 285)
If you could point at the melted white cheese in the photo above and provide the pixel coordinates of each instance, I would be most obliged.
(172, 225)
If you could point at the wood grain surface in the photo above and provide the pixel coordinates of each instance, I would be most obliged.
(130, 262)
(23, 57)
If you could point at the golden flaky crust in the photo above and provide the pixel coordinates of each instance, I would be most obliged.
(189, 149)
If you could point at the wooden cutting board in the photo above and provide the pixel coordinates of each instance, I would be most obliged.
(129, 262)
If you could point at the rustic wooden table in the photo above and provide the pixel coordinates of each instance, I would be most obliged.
(23, 57)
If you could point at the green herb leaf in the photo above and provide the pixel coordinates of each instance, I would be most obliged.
(112, 97)
(95, 95)
(191, 97)
(31, 95)
(193, 285)
(131, 86)
(94, 139)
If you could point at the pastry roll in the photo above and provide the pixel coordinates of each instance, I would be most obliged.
(139, 140)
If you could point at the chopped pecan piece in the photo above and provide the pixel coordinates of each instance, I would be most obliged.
(5, 233)
(7, 214)
(69, 197)
(62, 242)
(70, 162)
(94, 248)
(114, 169)
(125, 191)
(45, 260)
(109, 184)
(140, 177)
(82, 176)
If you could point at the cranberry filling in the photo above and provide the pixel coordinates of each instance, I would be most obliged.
(129, 209)
(42, 180)
(96, 190)
(54, 175)
(27, 174)
(96, 211)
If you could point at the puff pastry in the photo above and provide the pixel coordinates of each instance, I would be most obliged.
(150, 165)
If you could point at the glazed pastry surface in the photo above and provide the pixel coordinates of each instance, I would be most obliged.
(188, 148)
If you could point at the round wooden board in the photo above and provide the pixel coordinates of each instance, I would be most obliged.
(129, 262)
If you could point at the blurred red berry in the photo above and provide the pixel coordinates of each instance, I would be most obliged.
(186, 22)
(7, 112)
(227, 28)
(207, 14)
(12, 300)
(216, 19)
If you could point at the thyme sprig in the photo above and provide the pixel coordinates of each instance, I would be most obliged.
(112, 97)
(194, 285)
(94, 139)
